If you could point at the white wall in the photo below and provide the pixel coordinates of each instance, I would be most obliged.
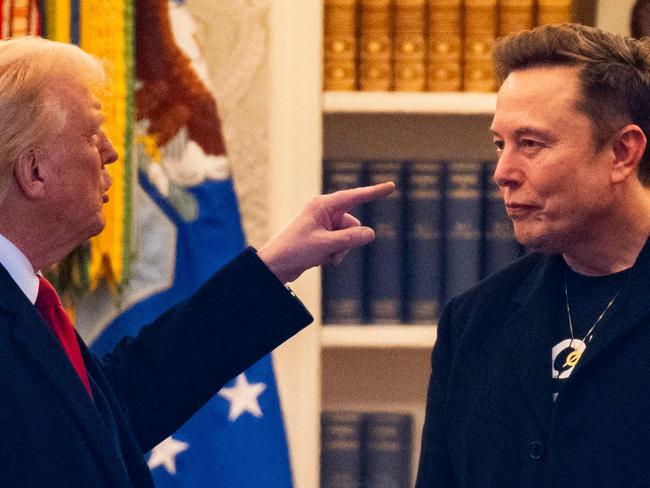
(614, 15)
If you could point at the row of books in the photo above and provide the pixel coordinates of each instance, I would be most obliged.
(366, 450)
(443, 230)
(417, 45)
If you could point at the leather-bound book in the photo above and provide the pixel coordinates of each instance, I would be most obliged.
(515, 16)
(375, 38)
(409, 45)
(444, 45)
(480, 34)
(339, 45)
(553, 11)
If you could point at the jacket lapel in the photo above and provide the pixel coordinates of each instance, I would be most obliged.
(530, 330)
(530, 334)
(630, 310)
(41, 349)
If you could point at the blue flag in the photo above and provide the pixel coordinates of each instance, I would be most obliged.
(187, 226)
(237, 439)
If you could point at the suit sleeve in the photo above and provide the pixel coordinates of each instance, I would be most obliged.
(434, 470)
(178, 362)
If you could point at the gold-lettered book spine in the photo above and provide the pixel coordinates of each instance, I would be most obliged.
(444, 45)
(554, 11)
(515, 16)
(409, 48)
(339, 45)
(375, 37)
(480, 34)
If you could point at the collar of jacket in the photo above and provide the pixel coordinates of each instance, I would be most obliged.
(530, 329)
(40, 348)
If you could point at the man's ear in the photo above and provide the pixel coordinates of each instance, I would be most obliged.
(29, 175)
(628, 146)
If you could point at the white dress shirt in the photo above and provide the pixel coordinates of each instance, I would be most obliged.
(19, 268)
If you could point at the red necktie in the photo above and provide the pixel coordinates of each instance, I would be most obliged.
(50, 307)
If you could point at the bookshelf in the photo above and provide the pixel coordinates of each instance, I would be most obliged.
(386, 367)
(467, 103)
(369, 368)
(378, 336)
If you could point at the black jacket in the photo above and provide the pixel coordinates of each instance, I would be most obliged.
(53, 435)
(490, 419)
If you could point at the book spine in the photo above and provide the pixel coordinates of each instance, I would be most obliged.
(554, 11)
(384, 255)
(480, 34)
(409, 45)
(341, 449)
(423, 242)
(375, 63)
(463, 233)
(515, 16)
(343, 284)
(339, 44)
(444, 45)
(499, 244)
(387, 439)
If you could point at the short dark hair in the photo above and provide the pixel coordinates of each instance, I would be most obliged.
(614, 75)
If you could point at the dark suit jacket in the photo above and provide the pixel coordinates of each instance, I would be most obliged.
(490, 419)
(53, 435)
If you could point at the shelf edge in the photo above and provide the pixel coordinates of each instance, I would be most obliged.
(378, 336)
(451, 103)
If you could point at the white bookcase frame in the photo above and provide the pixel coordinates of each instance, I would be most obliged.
(357, 367)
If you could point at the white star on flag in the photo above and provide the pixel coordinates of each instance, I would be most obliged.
(165, 454)
(243, 397)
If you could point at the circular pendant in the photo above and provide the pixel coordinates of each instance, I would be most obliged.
(565, 355)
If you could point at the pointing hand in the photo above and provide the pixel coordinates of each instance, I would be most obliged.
(322, 233)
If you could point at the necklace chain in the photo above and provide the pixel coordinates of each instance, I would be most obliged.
(568, 311)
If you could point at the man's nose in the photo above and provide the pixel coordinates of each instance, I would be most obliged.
(108, 152)
(508, 172)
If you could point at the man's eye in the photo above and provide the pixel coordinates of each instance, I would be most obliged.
(498, 145)
(530, 143)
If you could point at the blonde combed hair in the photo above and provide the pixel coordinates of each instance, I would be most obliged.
(28, 111)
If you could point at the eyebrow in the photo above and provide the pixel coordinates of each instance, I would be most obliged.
(528, 131)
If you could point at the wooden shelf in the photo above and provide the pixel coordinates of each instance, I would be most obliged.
(378, 336)
(469, 103)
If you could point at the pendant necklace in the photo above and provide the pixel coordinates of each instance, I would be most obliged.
(581, 344)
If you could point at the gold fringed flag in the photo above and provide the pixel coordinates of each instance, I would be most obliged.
(57, 19)
(187, 202)
(106, 31)
(103, 28)
(18, 18)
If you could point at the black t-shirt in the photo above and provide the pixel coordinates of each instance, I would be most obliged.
(588, 297)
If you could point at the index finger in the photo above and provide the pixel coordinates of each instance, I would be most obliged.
(347, 199)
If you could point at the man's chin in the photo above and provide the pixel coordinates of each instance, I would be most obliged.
(97, 228)
(540, 244)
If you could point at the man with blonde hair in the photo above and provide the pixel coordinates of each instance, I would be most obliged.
(70, 419)
(540, 374)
